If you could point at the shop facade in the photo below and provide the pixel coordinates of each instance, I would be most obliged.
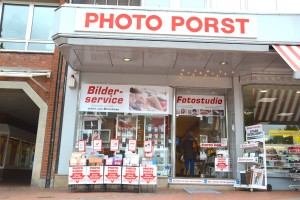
(176, 79)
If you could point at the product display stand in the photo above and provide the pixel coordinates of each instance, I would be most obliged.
(254, 175)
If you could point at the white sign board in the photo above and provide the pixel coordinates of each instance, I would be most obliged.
(148, 175)
(112, 175)
(165, 23)
(94, 175)
(200, 105)
(223, 165)
(130, 175)
(77, 175)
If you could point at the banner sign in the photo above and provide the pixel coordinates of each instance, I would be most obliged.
(130, 175)
(112, 175)
(148, 175)
(77, 175)
(94, 175)
(165, 22)
(211, 145)
(200, 105)
(123, 98)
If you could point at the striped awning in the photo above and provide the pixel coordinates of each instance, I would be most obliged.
(291, 55)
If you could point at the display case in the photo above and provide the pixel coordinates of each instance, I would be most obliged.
(155, 130)
(126, 129)
(253, 160)
(282, 151)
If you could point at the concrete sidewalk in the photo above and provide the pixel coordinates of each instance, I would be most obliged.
(27, 193)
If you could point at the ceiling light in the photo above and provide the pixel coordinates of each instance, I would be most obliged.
(263, 91)
(298, 92)
(182, 70)
(267, 100)
(285, 114)
(126, 59)
(223, 63)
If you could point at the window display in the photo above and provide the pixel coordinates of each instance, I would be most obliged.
(124, 134)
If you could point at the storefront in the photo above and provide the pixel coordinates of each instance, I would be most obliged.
(154, 75)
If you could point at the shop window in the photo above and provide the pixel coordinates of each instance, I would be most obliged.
(125, 127)
(3, 141)
(27, 27)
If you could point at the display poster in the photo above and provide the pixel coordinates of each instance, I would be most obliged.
(112, 175)
(147, 146)
(202, 105)
(130, 175)
(257, 177)
(97, 144)
(148, 175)
(82, 145)
(132, 145)
(124, 98)
(223, 165)
(114, 145)
(77, 175)
(94, 175)
(255, 131)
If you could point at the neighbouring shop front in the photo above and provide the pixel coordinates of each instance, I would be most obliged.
(134, 94)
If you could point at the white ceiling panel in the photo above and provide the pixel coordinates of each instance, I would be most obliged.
(196, 60)
(89, 57)
(159, 59)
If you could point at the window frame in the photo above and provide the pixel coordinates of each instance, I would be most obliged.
(27, 40)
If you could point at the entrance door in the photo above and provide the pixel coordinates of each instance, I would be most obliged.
(201, 117)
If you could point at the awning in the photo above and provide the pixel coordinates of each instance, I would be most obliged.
(291, 55)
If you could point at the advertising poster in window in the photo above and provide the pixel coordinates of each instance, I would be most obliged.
(124, 98)
(203, 105)
(132, 145)
(97, 144)
(114, 145)
(82, 145)
(255, 131)
(148, 146)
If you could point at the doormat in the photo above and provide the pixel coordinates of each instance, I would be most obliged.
(195, 191)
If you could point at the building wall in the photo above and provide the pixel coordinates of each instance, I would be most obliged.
(41, 61)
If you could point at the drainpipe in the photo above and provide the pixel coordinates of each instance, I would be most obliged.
(54, 118)
(62, 117)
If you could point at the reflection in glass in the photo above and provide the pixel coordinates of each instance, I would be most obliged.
(40, 47)
(12, 45)
(12, 153)
(3, 140)
(14, 21)
(42, 24)
(25, 157)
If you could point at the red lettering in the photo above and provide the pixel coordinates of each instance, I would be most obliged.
(177, 21)
(158, 20)
(198, 21)
(138, 20)
(87, 99)
(110, 20)
(125, 16)
(213, 24)
(242, 24)
(227, 23)
(90, 18)
(179, 98)
(91, 90)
